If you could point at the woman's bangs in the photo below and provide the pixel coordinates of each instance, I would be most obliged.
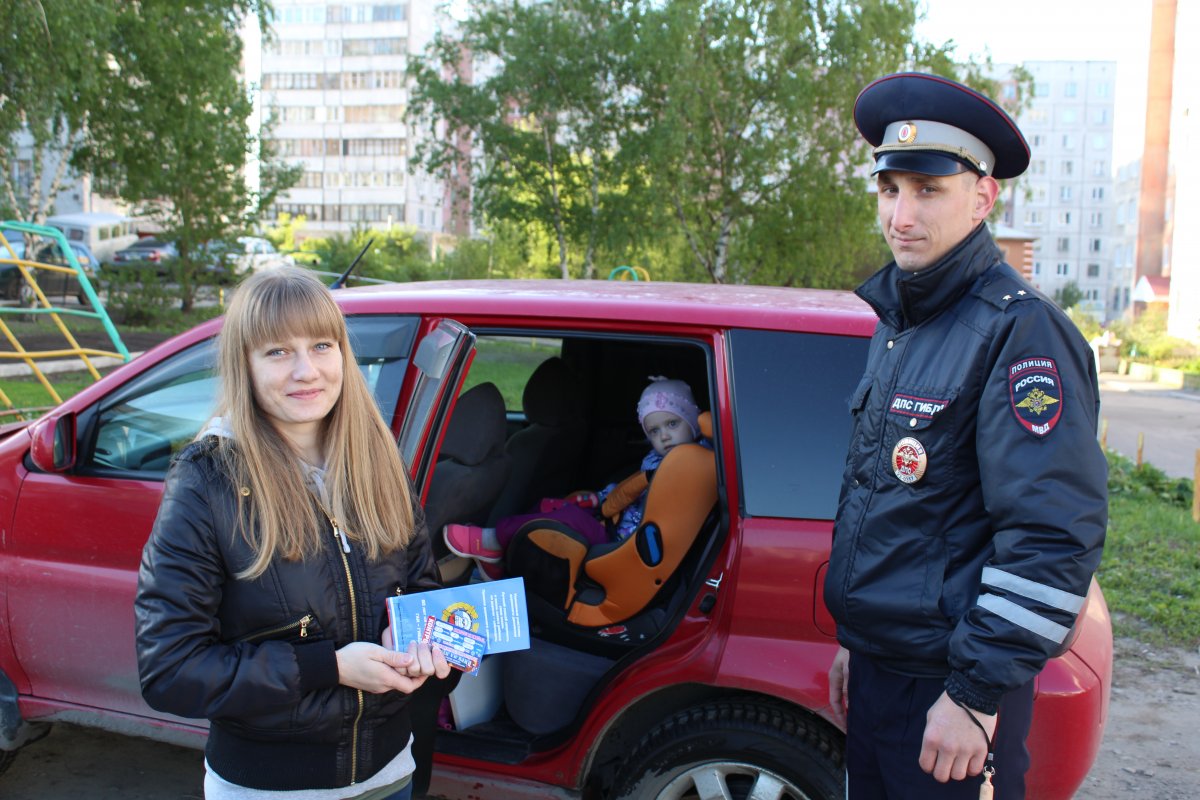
(293, 310)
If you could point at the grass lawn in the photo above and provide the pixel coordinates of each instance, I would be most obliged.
(1150, 572)
(29, 393)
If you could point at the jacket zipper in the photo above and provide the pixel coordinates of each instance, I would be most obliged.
(301, 623)
(340, 535)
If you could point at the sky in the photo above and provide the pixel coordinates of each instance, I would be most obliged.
(1015, 31)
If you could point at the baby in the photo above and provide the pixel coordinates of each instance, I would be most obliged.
(669, 417)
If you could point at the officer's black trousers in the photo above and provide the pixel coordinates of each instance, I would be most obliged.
(885, 728)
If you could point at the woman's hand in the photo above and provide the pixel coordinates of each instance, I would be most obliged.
(377, 669)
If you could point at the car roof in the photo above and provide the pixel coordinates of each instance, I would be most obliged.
(88, 218)
(694, 304)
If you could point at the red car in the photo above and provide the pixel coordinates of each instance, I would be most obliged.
(715, 685)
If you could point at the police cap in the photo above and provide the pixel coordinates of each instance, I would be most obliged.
(934, 126)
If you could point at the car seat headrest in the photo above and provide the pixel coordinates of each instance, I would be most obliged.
(552, 395)
(477, 429)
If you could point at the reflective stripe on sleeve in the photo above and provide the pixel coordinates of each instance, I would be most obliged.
(1023, 618)
(1047, 595)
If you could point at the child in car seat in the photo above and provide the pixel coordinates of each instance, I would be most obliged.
(668, 415)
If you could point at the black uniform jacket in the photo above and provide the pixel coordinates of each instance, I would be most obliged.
(974, 501)
(256, 657)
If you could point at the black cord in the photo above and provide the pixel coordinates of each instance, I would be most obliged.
(989, 767)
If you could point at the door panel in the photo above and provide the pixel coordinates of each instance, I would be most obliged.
(77, 537)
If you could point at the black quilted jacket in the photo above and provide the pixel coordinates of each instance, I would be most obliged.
(256, 657)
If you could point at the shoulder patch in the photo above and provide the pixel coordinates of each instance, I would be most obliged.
(1036, 394)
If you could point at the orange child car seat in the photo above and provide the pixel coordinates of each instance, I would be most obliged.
(609, 583)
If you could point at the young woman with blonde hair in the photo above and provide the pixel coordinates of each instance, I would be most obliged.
(282, 530)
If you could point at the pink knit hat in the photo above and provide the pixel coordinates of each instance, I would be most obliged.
(672, 396)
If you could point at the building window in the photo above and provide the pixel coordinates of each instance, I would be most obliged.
(1037, 166)
(1096, 219)
(1099, 169)
(1067, 167)
(373, 147)
(1064, 193)
(1102, 89)
(1069, 115)
(1099, 141)
(1070, 89)
(1037, 268)
(1094, 246)
(1093, 270)
(374, 47)
(1033, 218)
(1062, 268)
(1100, 116)
(1041, 89)
(1097, 192)
(1064, 244)
(1064, 218)
(391, 113)
(1068, 141)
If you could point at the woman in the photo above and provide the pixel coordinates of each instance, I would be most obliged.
(282, 530)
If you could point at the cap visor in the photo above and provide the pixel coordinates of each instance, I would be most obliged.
(923, 163)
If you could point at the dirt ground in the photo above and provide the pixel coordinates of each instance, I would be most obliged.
(1151, 745)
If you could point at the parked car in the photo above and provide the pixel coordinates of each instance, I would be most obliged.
(102, 232)
(149, 253)
(253, 253)
(713, 685)
(55, 284)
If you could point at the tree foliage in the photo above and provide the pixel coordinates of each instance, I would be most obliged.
(146, 96)
(53, 71)
(712, 138)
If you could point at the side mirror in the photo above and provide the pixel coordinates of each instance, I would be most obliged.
(53, 447)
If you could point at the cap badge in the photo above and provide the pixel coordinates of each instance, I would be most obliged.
(909, 460)
(907, 133)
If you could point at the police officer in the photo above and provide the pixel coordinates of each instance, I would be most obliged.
(974, 501)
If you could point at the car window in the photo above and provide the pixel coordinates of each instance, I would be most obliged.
(141, 426)
(791, 417)
(508, 361)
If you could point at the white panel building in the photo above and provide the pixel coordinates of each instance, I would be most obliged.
(1066, 197)
(333, 77)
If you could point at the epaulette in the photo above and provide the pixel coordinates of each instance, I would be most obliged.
(1002, 286)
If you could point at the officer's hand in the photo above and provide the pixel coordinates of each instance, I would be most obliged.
(839, 686)
(953, 746)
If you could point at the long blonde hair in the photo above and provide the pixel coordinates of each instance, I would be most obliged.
(366, 481)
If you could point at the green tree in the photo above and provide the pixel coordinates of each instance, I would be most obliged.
(54, 68)
(1068, 296)
(546, 112)
(172, 133)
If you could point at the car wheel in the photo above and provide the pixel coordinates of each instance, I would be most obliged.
(736, 751)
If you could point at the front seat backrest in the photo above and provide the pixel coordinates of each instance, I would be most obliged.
(545, 454)
(472, 466)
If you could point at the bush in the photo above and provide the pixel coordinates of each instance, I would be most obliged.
(1146, 481)
(1146, 339)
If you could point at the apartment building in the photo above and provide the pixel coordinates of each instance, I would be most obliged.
(1127, 185)
(1066, 198)
(333, 79)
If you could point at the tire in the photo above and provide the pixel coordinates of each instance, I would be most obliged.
(738, 750)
